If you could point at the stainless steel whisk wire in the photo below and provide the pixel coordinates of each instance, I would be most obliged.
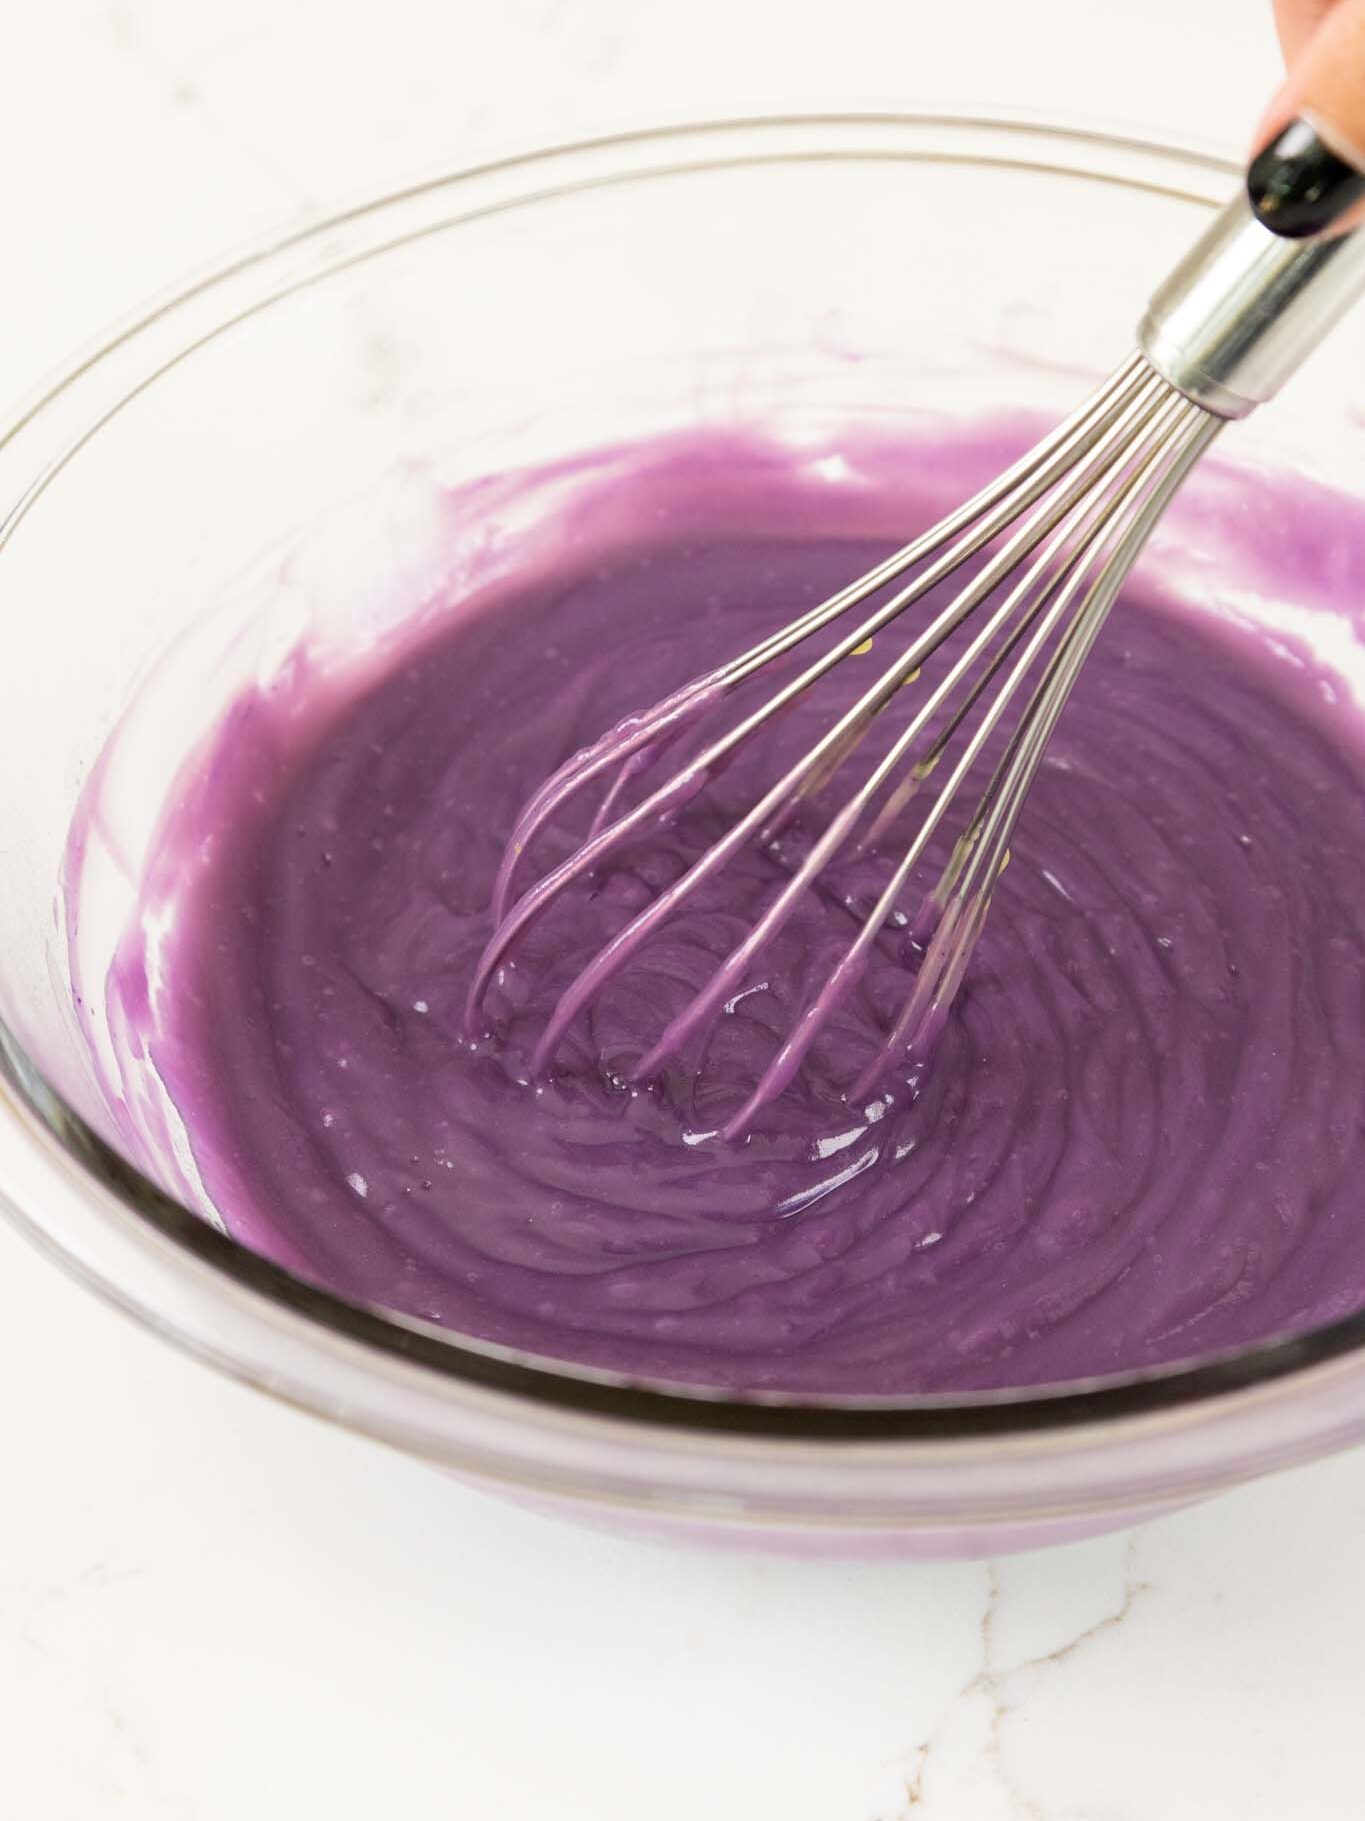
(1074, 512)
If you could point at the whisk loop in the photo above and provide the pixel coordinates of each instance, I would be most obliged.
(1077, 509)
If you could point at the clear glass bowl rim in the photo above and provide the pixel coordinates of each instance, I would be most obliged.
(147, 1222)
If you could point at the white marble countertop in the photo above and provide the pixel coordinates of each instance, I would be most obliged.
(212, 1608)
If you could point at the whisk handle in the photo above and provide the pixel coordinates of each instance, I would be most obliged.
(1245, 307)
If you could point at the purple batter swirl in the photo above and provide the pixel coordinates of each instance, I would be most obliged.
(1140, 1137)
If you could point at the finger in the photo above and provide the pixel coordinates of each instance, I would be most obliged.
(1295, 23)
(1309, 175)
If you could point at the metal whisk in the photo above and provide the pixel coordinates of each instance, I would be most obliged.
(1220, 336)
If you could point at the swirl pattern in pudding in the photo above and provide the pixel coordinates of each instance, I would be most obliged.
(1139, 1138)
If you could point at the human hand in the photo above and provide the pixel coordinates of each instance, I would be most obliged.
(1307, 175)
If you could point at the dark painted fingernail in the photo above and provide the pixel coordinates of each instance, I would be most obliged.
(1298, 186)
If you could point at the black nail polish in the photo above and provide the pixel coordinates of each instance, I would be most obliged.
(1298, 186)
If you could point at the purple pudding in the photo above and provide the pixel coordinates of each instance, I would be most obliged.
(1140, 1136)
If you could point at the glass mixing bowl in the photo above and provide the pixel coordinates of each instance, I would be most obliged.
(791, 271)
